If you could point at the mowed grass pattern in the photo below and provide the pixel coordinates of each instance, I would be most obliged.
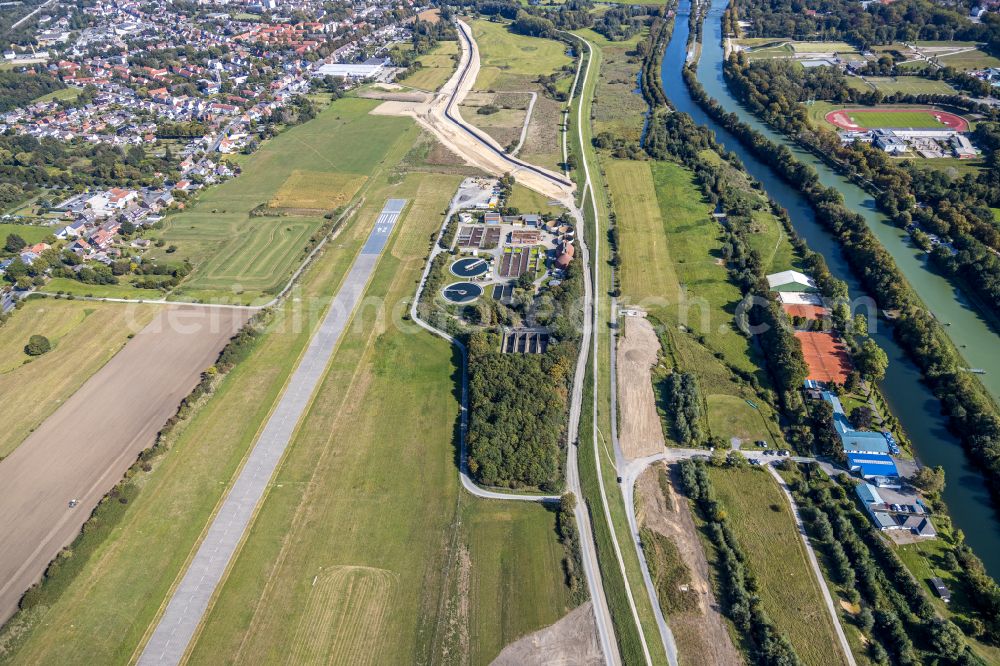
(84, 337)
(346, 608)
(234, 252)
(765, 528)
(668, 238)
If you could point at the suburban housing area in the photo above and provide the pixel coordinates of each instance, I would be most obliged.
(499, 332)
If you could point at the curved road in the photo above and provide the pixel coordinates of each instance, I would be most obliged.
(602, 614)
(667, 638)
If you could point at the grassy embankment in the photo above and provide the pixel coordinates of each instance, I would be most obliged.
(764, 526)
(511, 65)
(84, 337)
(596, 230)
(672, 266)
(375, 518)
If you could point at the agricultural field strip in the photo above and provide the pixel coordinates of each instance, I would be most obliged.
(814, 565)
(73, 454)
(602, 614)
(667, 638)
(627, 485)
(189, 601)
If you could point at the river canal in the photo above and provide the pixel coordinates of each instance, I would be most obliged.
(910, 400)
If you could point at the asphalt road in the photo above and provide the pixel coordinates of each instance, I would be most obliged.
(189, 602)
(605, 627)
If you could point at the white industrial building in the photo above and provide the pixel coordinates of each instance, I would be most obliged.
(354, 71)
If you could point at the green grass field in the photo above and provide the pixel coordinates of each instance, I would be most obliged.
(239, 257)
(668, 238)
(508, 58)
(438, 66)
(763, 524)
(31, 233)
(967, 60)
(877, 119)
(84, 337)
(62, 94)
(908, 85)
(512, 62)
(529, 201)
(619, 108)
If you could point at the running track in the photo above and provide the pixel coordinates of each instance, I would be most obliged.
(189, 602)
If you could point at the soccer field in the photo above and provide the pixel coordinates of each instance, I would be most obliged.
(879, 118)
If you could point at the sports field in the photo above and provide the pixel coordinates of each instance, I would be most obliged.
(908, 85)
(83, 335)
(763, 525)
(312, 168)
(826, 356)
(878, 118)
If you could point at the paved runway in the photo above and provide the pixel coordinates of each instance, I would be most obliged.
(190, 600)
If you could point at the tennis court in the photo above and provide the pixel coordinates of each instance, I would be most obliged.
(826, 356)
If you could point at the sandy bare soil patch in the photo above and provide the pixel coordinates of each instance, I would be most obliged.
(640, 432)
(571, 640)
(395, 95)
(431, 116)
(82, 450)
(701, 635)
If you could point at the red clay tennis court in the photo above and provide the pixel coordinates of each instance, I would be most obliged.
(826, 356)
(804, 310)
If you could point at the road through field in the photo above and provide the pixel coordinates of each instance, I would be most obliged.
(544, 183)
(190, 599)
(82, 450)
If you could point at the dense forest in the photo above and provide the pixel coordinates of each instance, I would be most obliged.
(517, 413)
(29, 163)
(20, 88)
(864, 26)
(895, 611)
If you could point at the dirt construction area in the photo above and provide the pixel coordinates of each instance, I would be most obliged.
(84, 448)
(639, 432)
(479, 150)
(570, 641)
(702, 638)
